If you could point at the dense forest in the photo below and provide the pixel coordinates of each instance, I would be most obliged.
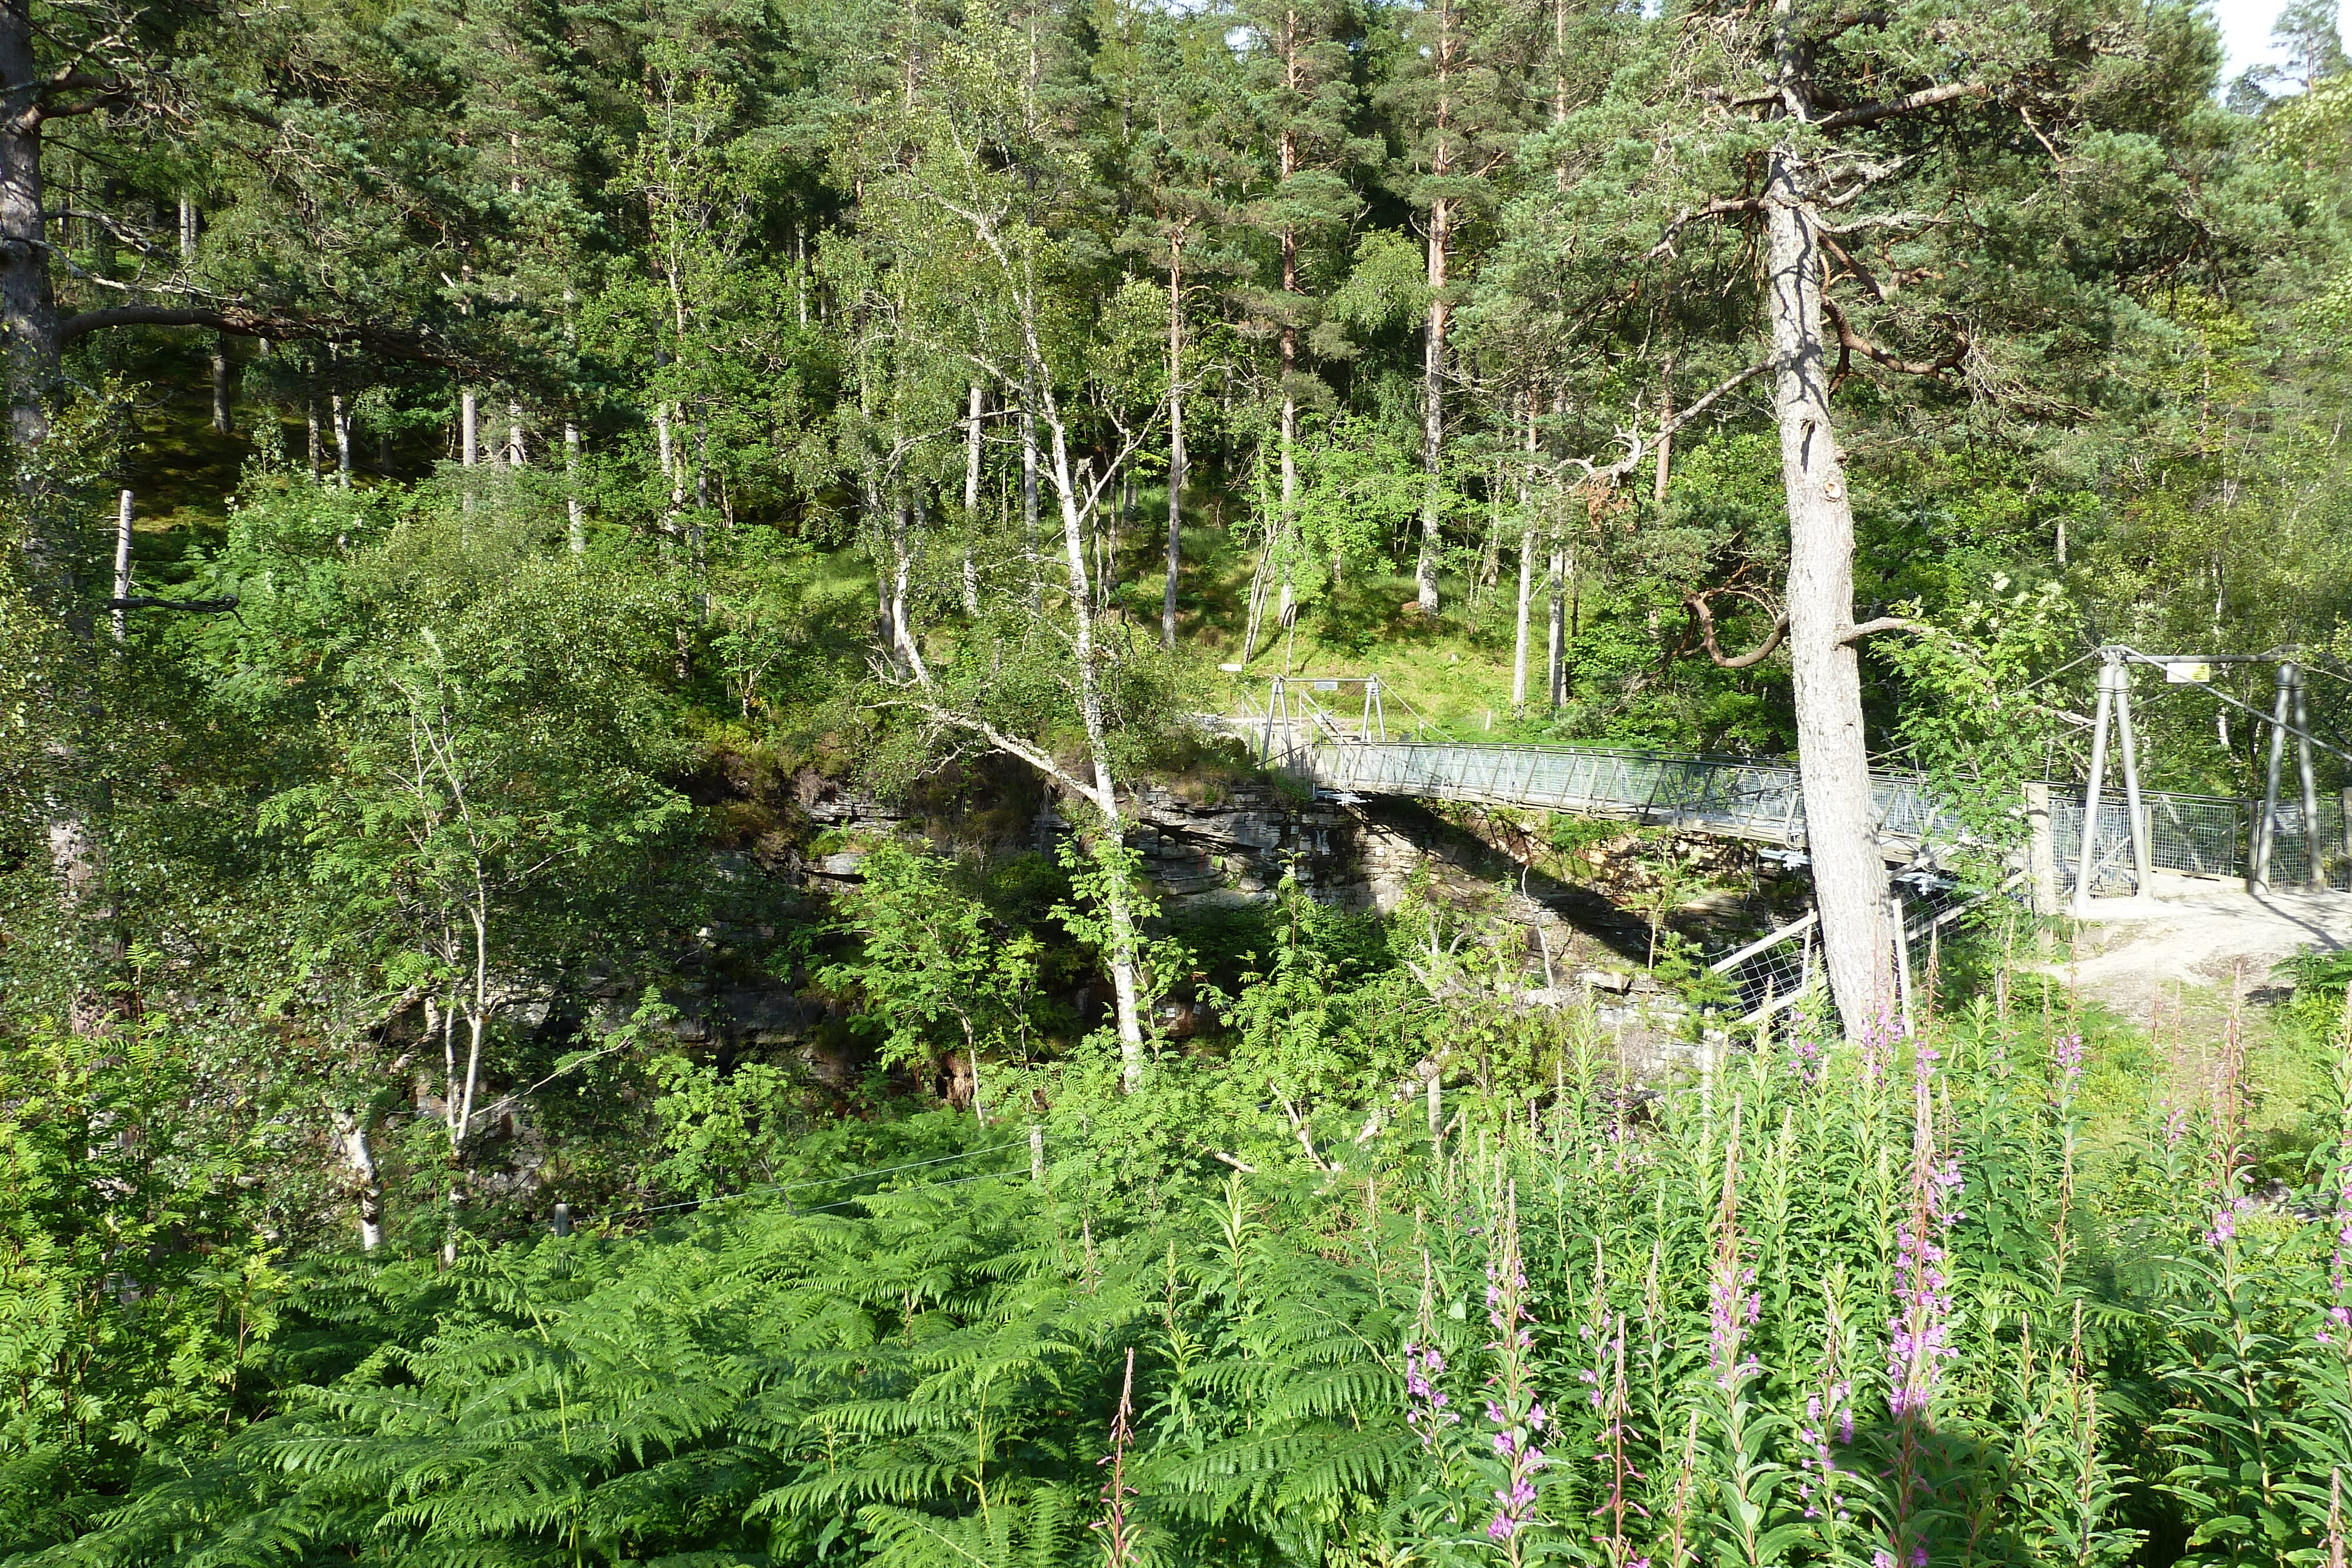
(542, 531)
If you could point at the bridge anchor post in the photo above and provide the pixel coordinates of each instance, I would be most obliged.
(2258, 875)
(2086, 857)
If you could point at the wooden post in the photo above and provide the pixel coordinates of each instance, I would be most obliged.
(1902, 956)
(2086, 857)
(2041, 851)
(2258, 878)
(123, 565)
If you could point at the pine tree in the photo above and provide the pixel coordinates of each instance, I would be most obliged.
(1184, 171)
(1302, 96)
(1454, 104)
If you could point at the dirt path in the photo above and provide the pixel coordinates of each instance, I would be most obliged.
(2197, 936)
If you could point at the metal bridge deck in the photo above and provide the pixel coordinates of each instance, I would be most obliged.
(1757, 801)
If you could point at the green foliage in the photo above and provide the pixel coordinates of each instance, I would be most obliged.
(933, 968)
(490, 753)
(140, 1284)
(1689, 1306)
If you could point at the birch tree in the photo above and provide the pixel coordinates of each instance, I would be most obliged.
(985, 168)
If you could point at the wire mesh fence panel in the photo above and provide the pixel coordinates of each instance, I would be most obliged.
(2203, 835)
(1772, 971)
(2294, 847)
(2111, 859)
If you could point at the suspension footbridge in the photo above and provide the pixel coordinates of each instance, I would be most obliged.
(1334, 732)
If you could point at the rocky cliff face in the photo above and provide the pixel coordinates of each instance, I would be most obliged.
(1205, 843)
(1232, 843)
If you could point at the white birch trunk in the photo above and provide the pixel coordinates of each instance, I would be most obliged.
(1118, 910)
(1527, 569)
(351, 1132)
(1286, 525)
(123, 565)
(1031, 544)
(1520, 633)
(1556, 640)
(576, 515)
(224, 386)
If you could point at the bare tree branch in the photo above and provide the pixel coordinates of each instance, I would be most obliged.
(1851, 342)
(1925, 98)
(191, 606)
(1633, 438)
(248, 323)
(1886, 623)
(1021, 750)
(1723, 207)
(1696, 604)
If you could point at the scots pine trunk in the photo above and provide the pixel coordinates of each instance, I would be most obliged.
(55, 566)
(1665, 432)
(1527, 569)
(1175, 441)
(1288, 611)
(1433, 406)
(1832, 757)
(27, 306)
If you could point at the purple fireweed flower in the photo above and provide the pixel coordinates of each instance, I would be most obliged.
(1425, 1403)
(2335, 1325)
(1807, 1061)
(1512, 1412)
(2067, 1055)
(2224, 1229)
(1820, 1489)
(1919, 1333)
